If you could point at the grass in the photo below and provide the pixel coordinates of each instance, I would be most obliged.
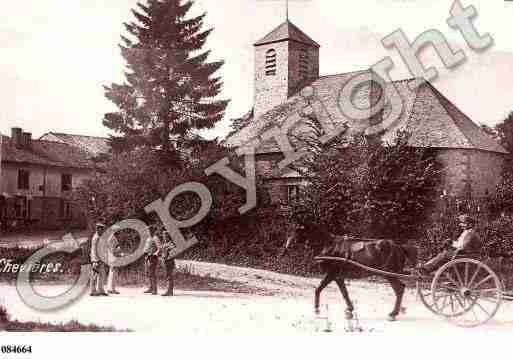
(72, 326)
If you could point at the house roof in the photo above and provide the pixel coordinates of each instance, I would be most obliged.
(287, 31)
(93, 145)
(45, 153)
(431, 119)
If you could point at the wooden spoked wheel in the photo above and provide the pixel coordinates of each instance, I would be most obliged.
(466, 292)
(424, 294)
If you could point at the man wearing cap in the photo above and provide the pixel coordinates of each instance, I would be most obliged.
(98, 273)
(151, 251)
(467, 243)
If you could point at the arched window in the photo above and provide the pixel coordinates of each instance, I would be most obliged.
(270, 62)
(303, 63)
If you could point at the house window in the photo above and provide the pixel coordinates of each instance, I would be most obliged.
(292, 193)
(65, 210)
(66, 182)
(23, 179)
(21, 208)
(303, 63)
(270, 62)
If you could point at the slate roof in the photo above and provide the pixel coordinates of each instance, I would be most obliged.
(431, 119)
(45, 153)
(287, 31)
(93, 145)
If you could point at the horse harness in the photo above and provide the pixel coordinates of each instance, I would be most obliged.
(346, 247)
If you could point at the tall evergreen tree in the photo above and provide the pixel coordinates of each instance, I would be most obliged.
(505, 132)
(170, 88)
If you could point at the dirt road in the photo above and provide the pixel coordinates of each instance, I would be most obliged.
(287, 311)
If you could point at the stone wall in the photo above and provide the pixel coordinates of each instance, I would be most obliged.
(40, 207)
(274, 90)
(297, 75)
(276, 182)
(464, 170)
(271, 91)
(477, 172)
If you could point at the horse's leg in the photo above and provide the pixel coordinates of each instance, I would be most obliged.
(324, 283)
(345, 294)
(398, 288)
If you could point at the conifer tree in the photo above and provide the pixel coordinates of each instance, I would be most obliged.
(171, 88)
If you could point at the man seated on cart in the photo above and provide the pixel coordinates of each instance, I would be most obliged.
(467, 244)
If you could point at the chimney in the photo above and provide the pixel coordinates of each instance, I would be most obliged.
(27, 139)
(16, 137)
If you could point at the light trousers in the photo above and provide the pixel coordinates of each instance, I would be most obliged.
(98, 278)
(112, 279)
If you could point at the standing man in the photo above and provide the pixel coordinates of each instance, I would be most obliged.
(169, 262)
(114, 251)
(152, 250)
(98, 273)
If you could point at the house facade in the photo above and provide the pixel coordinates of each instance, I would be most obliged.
(287, 61)
(36, 181)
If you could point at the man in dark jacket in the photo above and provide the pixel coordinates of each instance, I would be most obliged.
(169, 262)
(152, 251)
(468, 243)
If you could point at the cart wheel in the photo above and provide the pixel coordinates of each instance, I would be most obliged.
(466, 292)
(424, 294)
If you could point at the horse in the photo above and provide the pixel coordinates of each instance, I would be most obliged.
(381, 254)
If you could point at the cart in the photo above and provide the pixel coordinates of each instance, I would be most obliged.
(465, 291)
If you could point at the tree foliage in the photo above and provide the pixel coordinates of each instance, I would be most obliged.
(366, 188)
(504, 132)
(504, 193)
(239, 123)
(131, 180)
(171, 89)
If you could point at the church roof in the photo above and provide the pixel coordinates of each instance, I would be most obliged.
(287, 31)
(432, 120)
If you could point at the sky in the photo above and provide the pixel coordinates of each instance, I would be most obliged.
(55, 55)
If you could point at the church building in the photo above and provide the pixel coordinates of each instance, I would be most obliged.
(287, 61)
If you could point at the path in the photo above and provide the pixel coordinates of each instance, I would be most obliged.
(287, 312)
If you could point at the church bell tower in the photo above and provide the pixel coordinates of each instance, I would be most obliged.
(285, 60)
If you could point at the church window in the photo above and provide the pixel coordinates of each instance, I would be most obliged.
(270, 62)
(303, 63)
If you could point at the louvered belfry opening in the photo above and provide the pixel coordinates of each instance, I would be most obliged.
(303, 63)
(270, 63)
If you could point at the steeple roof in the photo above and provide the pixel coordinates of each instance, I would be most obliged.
(287, 31)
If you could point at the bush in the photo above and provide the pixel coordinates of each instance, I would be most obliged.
(370, 189)
(498, 238)
(130, 181)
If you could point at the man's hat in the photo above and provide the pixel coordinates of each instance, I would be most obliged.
(100, 225)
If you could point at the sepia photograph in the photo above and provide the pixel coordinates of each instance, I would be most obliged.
(325, 173)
